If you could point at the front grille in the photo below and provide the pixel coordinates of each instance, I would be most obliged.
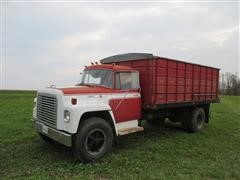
(47, 109)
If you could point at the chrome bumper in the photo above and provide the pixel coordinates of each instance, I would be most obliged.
(59, 136)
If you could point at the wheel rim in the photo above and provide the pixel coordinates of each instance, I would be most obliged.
(95, 142)
(200, 120)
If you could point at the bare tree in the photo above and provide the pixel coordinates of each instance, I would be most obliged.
(229, 84)
(222, 84)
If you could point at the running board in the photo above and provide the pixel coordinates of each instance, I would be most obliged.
(130, 130)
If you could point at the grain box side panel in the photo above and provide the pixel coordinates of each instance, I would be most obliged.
(171, 81)
(161, 81)
(196, 82)
(166, 81)
(180, 81)
(147, 73)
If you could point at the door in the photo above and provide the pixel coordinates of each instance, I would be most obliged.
(126, 98)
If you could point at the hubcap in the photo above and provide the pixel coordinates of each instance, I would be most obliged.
(95, 142)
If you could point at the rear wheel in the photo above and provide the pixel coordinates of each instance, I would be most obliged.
(93, 140)
(197, 121)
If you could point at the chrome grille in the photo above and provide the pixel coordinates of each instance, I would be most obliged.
(47, 109)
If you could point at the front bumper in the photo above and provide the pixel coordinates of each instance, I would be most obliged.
(59, 136)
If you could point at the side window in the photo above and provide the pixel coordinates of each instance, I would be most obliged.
(127, 80)
(118, 82)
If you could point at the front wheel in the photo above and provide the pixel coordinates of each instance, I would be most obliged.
(93, 140)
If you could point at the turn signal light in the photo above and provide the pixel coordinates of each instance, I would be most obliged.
(74, 101)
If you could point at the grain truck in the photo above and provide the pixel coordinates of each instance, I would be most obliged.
(115, 95)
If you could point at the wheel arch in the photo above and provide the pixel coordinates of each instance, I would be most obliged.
(103, 114)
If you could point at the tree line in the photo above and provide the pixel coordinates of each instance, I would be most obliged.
(229, 84)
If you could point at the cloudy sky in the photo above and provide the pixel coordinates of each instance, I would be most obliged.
(46, 43)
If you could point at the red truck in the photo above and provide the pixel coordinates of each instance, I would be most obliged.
(116, 95)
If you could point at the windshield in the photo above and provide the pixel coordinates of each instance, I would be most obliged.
(97, 77)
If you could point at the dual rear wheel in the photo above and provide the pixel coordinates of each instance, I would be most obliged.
(192, 120)
(197, 121)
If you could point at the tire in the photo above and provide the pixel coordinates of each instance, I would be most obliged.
(197, 121)
(45, 138)
(93, 140)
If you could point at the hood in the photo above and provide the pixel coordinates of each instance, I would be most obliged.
(84, 90)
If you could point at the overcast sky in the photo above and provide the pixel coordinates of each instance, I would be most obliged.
(50, 43)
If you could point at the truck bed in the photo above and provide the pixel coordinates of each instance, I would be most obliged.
(168, 82)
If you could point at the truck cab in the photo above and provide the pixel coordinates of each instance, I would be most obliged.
(86, 117)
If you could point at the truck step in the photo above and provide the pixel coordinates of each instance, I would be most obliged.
(130, 130)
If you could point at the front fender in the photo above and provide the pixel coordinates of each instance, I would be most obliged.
(76, 112)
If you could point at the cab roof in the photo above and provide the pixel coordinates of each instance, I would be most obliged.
(110, 67)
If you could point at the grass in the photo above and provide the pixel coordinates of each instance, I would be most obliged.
(158, 152)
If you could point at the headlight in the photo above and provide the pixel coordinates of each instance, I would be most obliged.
(66, 116)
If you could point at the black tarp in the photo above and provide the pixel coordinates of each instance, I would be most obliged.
(126, 57)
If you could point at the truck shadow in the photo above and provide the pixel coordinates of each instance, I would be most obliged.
(151, 132)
